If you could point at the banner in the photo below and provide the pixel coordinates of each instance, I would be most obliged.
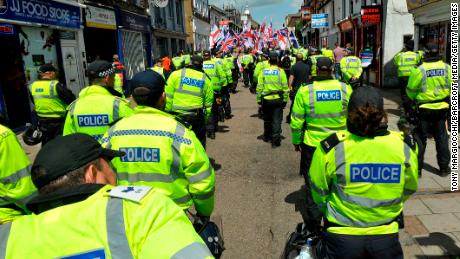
(41, 11)
(319, 20)
(100, 18)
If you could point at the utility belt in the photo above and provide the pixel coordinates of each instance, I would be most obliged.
(279, 102)
(399, 219)
(190, 115)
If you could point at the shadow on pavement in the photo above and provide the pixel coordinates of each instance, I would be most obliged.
(395, 112)
(222, 129)
(214, 164)
(391, 94)
(299, 199)
(445, 242)
(430, 168)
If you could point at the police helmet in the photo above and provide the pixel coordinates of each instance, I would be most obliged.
(32, 136)
(210, 234)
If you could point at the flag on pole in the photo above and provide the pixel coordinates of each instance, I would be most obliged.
(214, 36)
(293, 40)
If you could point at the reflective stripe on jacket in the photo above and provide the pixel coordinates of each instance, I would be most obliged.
(46, 99)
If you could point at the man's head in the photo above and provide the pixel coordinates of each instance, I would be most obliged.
(115, 58)
(336, 44)
(431, 51)
(348, 45)
(148, 89)
(348, 51)
(47, 72)
(366, 111)
(324, 66)
(158, 62)
(314, 51)
(273, 58)
(206, 55)
(409, 45)
(73, 160)
(299, 57)
(196, 63)
(101, 72)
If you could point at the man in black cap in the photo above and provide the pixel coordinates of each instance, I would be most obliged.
(360, 179)
(272, 94)
(319, 109)
(98, 105)
(299, 75)
(161, 152)
(79, 213)
(50, 99)
(190, 95)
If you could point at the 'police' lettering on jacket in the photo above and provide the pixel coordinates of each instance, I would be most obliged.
(375, 173)
(140, 154)
(100, 253)
(268, 72)
(329, 95)
(192, 82)
(435, 72)
(39, 90)
(208, 66)
(93, 120)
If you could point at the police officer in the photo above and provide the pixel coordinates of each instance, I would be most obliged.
(160, 151)
(119, 79)
(429, 89)
(190, 95)
(315, 55)
(215, 72)
(98, 105)
(322, 107)
(226, 86)
(233, 64)
(405, 61)
(79, 214)
(186, 58)
(328, 53)
(247, 62)
(351, 69)
(261, 65)
(51, 99)
(272, 95)
(158, 67)
(178, 62)
(305, 53)
(15, 183)
(360, 179)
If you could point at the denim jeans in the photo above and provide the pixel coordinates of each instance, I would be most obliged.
(272, 122)
(337, 71)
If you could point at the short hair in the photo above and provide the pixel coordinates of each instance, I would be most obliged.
(366, 120)
(72, 178)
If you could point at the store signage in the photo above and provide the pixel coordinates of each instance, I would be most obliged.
(319, 20)
(6, 29)
(306, 13)
(346, 25)
(100, 18)
(135, 22)
(366, 59)
(41, 11)
(370, 15)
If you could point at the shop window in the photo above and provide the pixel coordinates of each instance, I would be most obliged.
(435, 34)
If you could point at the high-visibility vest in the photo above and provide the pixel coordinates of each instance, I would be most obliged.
(15, 182)
(118, 83)
(323, 106)
(328, 53)
(272, 84)
(293, 60)
(46, 99)
(187, 91)
(215, 73)
(350, 66)
(224, 76)
(159, 70)
(186, 59)
(162, 153)
(313, 60)
(360, 183)
(259, 68)
(246, 60)
(304, 52)
(94, 111)
(177, 61)
(103, 226)
(429, 85)
(406, 61)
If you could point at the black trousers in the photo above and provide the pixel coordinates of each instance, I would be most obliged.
(405, 101)
(50, 128)
(226, 100)
(291, 97)
(273, 115)
(433, 122)
(212, 124)
(306, 155)
(339, 246)
(248, 74)
(198, 124)
(235, 77)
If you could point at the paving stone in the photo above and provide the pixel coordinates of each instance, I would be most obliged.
(444, 205)
(445, 222)
(415, 207)
(439, 244)
(413, 226)
(425, 183)
(443, 181)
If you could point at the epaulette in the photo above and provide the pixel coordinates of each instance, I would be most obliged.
(410, 140)
(330, 142)
(132, 193)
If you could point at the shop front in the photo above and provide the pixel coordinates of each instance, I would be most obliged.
(34, 33)
(347, 34)
(134, 45)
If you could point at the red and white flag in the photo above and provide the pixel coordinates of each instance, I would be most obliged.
(214, 36)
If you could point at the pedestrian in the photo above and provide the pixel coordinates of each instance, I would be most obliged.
(79, 214)
(286, 62)
(299, 75)
(51, 99)
(173, 160)
(190, 95)
(272, 95)
(119, 78)
(429, 90)
(319, 110)
(405, 61)
(351, 69)
(247, 62)
(360, 179)
(98, 105)
(339, 53)
(216, 74)
(16, 185)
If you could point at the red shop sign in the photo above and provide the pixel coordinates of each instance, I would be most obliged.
(370, 14)
(346, 25)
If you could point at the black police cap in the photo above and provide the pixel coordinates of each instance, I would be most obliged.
(149, 79)
(46, 68)
(100, 69)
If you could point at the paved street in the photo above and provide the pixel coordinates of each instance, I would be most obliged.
(258, 191)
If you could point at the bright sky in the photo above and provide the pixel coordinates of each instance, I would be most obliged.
(276, 10)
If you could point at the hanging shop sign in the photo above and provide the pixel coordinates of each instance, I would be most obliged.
(370, 15)
(346, 25)
(366, 58)
(41, 11)
(6, 29)
(135, 22)
(306, 13)
(100, 18)
(319, 20)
